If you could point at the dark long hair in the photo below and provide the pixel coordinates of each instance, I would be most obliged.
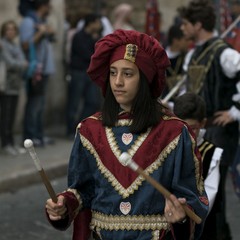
(146, 111)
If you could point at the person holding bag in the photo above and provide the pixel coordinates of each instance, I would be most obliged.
(15, 63)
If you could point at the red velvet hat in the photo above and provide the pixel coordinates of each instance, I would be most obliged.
(143, 50)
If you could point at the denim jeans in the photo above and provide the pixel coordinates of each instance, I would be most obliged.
(33, 118)
(83, 99)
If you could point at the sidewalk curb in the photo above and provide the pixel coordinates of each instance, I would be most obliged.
(31, 176)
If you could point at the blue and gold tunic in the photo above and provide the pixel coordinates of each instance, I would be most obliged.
(123, 204)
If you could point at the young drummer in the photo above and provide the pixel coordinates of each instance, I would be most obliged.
(192, 109)
(130, 68)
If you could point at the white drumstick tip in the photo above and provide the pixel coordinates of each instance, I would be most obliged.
(28, 143)
(126, 160)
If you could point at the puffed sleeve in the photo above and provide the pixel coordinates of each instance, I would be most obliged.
(230, 62)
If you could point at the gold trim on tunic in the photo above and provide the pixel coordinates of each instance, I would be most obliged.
(134, 147)
(199, 178)
(154, 166)
(129, 222)
(126, 192)
(156, 235)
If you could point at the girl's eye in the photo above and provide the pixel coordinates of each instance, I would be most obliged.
(112, 73)
(128, 74)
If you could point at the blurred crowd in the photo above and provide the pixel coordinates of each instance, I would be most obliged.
(27, 61)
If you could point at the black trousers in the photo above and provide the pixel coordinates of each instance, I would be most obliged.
(8, 106)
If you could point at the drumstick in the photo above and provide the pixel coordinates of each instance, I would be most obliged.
(28, 144)
(126, 160)
(174, 90)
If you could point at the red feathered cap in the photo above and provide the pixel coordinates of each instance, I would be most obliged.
(143, 50)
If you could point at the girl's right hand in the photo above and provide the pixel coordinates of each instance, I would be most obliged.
(56, 211)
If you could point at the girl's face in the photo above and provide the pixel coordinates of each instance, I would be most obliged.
(10, 32)
(124, 82)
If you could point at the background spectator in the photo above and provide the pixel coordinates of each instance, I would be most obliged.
(83, 95)
(106, 24)
(122, 17)
(191, 108)
(36, 36)
(15, 62)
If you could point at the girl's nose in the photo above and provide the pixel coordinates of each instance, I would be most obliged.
(119, 80)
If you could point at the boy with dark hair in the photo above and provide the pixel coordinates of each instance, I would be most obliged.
(191, 108)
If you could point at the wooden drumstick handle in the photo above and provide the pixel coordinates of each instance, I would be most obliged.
(167, 194)
(48, 186)
(126, 160)
(28, 144)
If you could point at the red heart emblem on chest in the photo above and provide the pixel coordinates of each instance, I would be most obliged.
(127, 138)
(125, 207)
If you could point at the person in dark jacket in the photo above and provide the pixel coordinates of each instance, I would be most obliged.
(83, 95)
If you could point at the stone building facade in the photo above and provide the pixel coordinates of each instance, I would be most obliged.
(56, 98)
(167, 9)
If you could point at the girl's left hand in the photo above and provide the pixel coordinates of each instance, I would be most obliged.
(174, 211)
